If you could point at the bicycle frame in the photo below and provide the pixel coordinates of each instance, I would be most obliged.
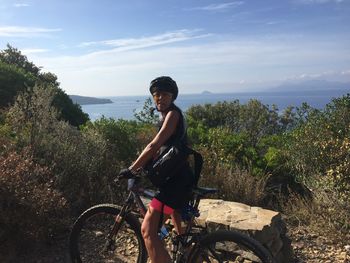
(134, 198)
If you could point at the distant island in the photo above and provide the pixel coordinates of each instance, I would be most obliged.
(83, 100)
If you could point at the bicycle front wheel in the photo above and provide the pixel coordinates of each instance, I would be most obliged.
(91, 241)
(229, 246)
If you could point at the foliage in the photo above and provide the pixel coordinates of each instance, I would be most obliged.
(12, 81)
(338, 118)
(31, 115)
(13, 56)
(253, 119)
(233, 183)
(31, 209)
(17, 74)
(78, 160)
(326, 214)
(242, 134)
(295, 146)
(147, 114)
(84, 161)
(120, 136)
(69, 111)
(320, 146)
(220, 114)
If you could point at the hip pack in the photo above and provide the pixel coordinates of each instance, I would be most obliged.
(167, 164)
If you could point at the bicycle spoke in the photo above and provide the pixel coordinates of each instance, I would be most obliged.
(92, 241)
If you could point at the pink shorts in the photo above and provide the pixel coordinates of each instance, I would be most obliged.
(157, 205)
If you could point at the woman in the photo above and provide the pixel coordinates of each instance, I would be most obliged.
(174, 194)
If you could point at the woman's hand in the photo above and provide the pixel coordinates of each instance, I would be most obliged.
(126, 174)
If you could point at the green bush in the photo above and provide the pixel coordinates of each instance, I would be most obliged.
(320, 146)
(12, 81)
(120, 136)
(17, 74)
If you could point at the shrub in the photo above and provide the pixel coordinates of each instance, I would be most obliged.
(233, 183)
(85, 161)
(320, 146)
(326, 214)
(31, 209)
(12, 81)
(79, 161)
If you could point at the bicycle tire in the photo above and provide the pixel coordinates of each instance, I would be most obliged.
(88, 237)
(229, 246)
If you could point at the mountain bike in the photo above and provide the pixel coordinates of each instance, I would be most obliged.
(112, 233)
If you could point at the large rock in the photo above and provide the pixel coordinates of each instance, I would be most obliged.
(264, 225)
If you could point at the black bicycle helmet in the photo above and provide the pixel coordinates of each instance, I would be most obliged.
(164, 83)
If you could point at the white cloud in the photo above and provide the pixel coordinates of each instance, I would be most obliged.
(195, 65)
(334, 75)
(218, 7)
(144, 42)
(345, 72)
(277, 22)
(20, 5)
(28, 51)
(17, 31)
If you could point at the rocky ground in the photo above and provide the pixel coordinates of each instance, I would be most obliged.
(308, 247)
(313, 248)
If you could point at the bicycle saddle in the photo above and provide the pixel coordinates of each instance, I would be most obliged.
(203, 191)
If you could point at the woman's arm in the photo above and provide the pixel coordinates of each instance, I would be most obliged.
(167, 129)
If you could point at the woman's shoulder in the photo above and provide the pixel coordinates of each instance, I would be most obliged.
(176, 111)
(172, 115)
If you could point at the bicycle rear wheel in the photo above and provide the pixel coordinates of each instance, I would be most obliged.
(89, 241)
(229, 246)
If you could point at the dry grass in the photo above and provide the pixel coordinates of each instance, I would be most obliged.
(236, 185)
(327, 214)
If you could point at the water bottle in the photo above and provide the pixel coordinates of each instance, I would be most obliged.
(163, 232)
(131, 183)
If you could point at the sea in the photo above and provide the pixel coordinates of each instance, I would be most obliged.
(124, 107)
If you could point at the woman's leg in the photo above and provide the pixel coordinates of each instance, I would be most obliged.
(155, 246)
(176, 219)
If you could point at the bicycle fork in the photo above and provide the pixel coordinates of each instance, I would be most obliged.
(119, 220)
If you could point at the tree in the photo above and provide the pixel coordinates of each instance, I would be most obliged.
(223, 114)
(12, 81)
(257, 120)
(17, 74)
(70, 111)
(147, 114)
(13, 56)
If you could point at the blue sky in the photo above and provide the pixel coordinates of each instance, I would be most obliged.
(115, 47)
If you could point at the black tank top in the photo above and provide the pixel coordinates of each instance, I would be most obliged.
(180, 134)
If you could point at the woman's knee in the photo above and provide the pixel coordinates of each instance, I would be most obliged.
(145, 230)
(148, 229)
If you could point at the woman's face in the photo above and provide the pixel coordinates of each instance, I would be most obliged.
(163, 100)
